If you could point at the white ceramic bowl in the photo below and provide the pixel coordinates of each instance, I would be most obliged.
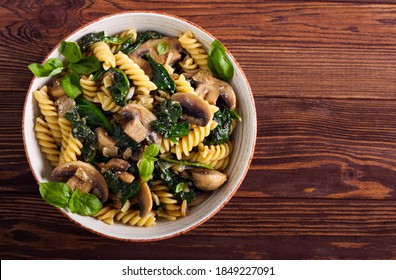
(244, 135)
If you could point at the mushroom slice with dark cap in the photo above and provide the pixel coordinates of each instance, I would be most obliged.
(195, 109)
(145, 199)
(172, 55)
(106, 144)
(207, 180)
(213, 90)
(86, 173)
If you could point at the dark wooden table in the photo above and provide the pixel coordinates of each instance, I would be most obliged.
(323, 179)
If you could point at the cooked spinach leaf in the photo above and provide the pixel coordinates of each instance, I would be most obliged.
(167, 124)
(119, 90)
(122, 189)
(161, 79)
(221, 133)
(87, 40)
(92, 114)
(124, 141)
(129, 46)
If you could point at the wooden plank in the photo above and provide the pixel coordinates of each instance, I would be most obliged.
(296, 49)
(263, 228)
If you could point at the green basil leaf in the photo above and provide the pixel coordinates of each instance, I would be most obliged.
(93, 116)
(146, 169)
(219, 63)
(161, 78)
(186, 163)
(71, 85)
(84, 204)
(86, 65)
(87, 40)
(162, 48)
(55, 193)
(151, 151)
(180, 187)
(71, 51)
(51, 67)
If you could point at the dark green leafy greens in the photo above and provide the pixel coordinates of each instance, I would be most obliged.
(123, 141)
(218, 61)
(82, 131)
(167, 124)
(93, 116)
(60, 195)
(161, 78)
(87, 40)
(51, 67)
(122, 189)
(186, 163)
(221, 133)
(181, 188)
(119, 90)
(129, 46)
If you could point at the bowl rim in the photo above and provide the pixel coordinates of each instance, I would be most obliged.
(237, 185)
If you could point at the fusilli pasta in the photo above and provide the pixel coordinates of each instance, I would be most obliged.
(102, 51)
(195, 49)
(46, 142)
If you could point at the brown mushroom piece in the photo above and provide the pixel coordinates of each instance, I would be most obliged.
(207, 180)
(145, 199)
(136, 121)
(106, 144)
(117, 165)
(195, 109)
(93, 181)
(150, 47)
(212, 89)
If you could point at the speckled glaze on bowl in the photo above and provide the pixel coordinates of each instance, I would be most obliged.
(244, 135)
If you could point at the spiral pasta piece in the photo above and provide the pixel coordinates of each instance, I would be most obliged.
(195, 49)
(135, 73)
(65, 126)
(107, 214)
(46, 142)
(49, 111)
(106, 100)
(196, 135)
(188, 65)
(171, 209)
(219, 164)
(213, 152)
(72, 149)
(132, 217)
(183, 85)
(144, 100)
(89, 88)
(102, 51)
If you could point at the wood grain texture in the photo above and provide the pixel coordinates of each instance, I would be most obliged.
(321, 184)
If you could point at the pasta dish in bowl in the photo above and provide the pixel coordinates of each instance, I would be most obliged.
(139, 126)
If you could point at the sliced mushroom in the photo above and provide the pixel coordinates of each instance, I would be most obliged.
(213, 90)
(136, 121)
(64, 171)
(57, 89)
(64, 104)
(207, 180)
(195, 109)
(106, 144)
(136, 130)
(117, 165)
(133, 111)
(126, 177)
(145, 199)
(174, 53)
